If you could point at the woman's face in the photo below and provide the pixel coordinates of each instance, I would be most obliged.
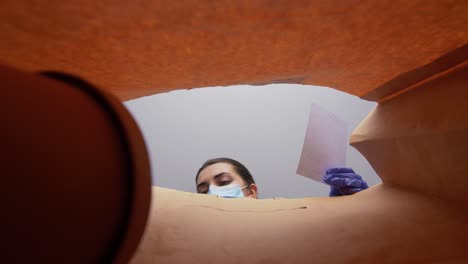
(221, 174)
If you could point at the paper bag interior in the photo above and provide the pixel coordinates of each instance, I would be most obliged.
(410, 56)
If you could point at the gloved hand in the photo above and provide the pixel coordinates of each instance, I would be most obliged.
(343, 181)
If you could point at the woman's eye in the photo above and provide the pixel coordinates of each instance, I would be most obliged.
(224, 183)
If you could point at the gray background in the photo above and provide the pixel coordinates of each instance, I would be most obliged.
(263, 127)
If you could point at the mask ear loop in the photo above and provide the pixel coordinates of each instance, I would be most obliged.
(246, 186)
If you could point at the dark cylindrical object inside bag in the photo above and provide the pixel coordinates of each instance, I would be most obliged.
(75, 174)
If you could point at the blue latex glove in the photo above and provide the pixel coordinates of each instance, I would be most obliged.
(343, 181)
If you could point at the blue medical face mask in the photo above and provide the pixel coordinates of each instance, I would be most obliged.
(228, 191)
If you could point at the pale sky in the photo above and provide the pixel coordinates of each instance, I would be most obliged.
(263, 127)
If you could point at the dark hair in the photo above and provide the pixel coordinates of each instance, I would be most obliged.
(238, 167)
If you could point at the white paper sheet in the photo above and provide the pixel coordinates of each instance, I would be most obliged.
(324, 146)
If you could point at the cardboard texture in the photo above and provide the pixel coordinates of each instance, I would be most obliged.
(418, 139)
(380, 225)
(144, 47)
(410, 55)
(324, 146)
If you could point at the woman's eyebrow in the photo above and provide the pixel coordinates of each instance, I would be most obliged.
(203, 184)
(221, 174)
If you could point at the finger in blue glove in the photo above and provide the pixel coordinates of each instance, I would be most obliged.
(339, 170)
(343, 181)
